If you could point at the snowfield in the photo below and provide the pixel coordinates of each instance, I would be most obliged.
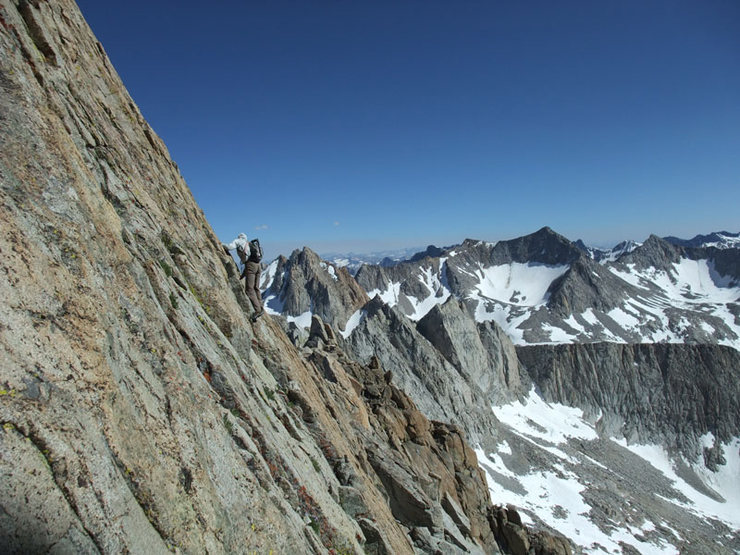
(557, 495)
(690, 282)
(508, 294)
(517, 284)
(389, 295)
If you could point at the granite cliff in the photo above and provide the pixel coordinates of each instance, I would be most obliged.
(141, 410)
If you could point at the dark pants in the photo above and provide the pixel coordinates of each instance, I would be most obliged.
(252, 277)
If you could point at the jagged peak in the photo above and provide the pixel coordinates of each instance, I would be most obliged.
(304, 253)
(581, 245)
(544, 246)
(545, 230)
(549, 233)
(655, 242)
(654, 251)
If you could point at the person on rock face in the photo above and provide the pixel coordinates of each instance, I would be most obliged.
(250, 255)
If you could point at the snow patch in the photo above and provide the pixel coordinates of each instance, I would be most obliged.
(503, 316)
(518, 284)
(389, 296)
(725, 482)
(329, 269)
(539, 419)
(268, 275)
(438, 293)
(558, 335)
(590, 317)
(352, 323)
(573, 323)
(303, 320)
(624, 319)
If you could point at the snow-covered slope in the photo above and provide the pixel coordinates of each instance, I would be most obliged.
(431, 285)
(509, 293)
(579, 484)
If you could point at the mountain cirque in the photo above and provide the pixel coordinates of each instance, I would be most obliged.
(141, 410)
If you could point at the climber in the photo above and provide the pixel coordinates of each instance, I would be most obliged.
(250, 255)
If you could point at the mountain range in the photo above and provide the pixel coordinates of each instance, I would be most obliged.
(594, 363)
(542, 288)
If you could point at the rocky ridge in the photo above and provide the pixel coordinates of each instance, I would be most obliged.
(306, 285)
(718, 239)
(430, 315)
(141, 410)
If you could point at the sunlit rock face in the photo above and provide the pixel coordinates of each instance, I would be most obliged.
(142, 411)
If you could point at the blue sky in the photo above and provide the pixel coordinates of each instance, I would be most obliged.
(365, 125)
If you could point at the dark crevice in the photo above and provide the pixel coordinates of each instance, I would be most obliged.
(36, 33)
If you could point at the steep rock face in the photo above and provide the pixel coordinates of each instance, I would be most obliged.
(586, 285)
(141, 410)
(435, 385)
(406, 284)
(725, 261)
(480, 352)
(653, 253)
(115, 312)
(666, 394)
(304, 284)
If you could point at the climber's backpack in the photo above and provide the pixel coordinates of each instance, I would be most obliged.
(242, 253)
(255, 251)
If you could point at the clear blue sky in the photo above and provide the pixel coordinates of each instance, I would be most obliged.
(362, 125)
